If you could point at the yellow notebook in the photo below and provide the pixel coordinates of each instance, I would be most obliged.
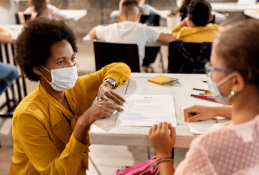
(162, 80)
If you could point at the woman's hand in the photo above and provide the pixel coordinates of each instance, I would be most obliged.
(161, 140)
(196, 113)
(105, 93)
(101, 109)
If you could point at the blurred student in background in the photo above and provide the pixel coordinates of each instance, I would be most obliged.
(196, 27)
(44, 9)
(129, 30)
(182, 11)
(8, 73)
(145, 9)
(233, 77)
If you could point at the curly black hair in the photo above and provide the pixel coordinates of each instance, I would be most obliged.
(199, 12)
(32, 47)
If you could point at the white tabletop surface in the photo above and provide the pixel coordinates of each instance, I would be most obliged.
(163, 13)
(104, 131)
(14, 30)
(73, 14)
(232, 7)
(252, 13)
(87, 39)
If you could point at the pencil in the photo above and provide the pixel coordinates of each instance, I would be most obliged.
(203, 98)
(206, 91)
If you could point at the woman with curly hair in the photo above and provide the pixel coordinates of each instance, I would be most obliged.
(42, 8)
(51, 125)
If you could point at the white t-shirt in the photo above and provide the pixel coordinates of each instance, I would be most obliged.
(129, 33)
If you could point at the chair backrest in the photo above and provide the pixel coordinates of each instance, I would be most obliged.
(150, 20)
(188, 57)
(107, 53)
(26, 17)
(6, 56)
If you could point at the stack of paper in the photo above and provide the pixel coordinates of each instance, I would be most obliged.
(147, 110)
(200, 127)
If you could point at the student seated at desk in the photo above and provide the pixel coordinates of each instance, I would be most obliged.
(129, 30)
(8, 73)
(196, 27)
(44, 9)
(51, 125)
(231, 148)
(145, 9)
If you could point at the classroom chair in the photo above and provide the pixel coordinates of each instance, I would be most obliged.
(17, 88)
(151, 52)
(26, 17)
(107, 53)
(188, 57)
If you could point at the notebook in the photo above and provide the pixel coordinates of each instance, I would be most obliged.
(163, 80)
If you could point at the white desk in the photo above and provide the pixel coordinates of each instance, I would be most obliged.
(232, 7)
(14, 30)
(73, 14)
(252, 13)
(104, 131)
(163, 13)
(88, 40)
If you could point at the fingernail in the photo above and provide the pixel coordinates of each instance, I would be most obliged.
(188, 120)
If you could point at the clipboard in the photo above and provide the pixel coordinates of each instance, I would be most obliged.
(162, 80)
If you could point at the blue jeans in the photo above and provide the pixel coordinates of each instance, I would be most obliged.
(9, 73)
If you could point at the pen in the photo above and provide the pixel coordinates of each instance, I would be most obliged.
(203, 98)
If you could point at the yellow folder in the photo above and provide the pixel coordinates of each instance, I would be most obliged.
(162, 80)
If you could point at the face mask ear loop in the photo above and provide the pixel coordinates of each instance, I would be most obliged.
(45, 68)
(232, 93)
(43, 76)
(225, 79)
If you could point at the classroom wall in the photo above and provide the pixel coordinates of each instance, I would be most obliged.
(95, 16)
(7, 10)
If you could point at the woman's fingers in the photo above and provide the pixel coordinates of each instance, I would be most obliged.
(109, 110)
(103, 97)
(111, 105)
(118, 96)
(113, 97)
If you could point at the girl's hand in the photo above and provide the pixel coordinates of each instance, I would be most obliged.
(161, 140)
(196, 113)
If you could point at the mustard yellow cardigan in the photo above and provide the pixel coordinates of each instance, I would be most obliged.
(43, 139)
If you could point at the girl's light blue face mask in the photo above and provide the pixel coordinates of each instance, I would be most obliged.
(214, 87)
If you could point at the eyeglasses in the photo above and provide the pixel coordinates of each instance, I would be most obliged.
(209, 69)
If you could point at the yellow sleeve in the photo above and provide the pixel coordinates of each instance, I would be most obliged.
(42, 152)
(177, 31)
(118, 71)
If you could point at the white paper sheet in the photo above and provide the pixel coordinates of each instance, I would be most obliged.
(147, 110)
(200, 127)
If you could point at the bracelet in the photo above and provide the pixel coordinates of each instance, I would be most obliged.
(165, 159)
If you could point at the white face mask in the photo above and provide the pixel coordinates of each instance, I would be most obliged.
(63, 79)
(214, 89)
